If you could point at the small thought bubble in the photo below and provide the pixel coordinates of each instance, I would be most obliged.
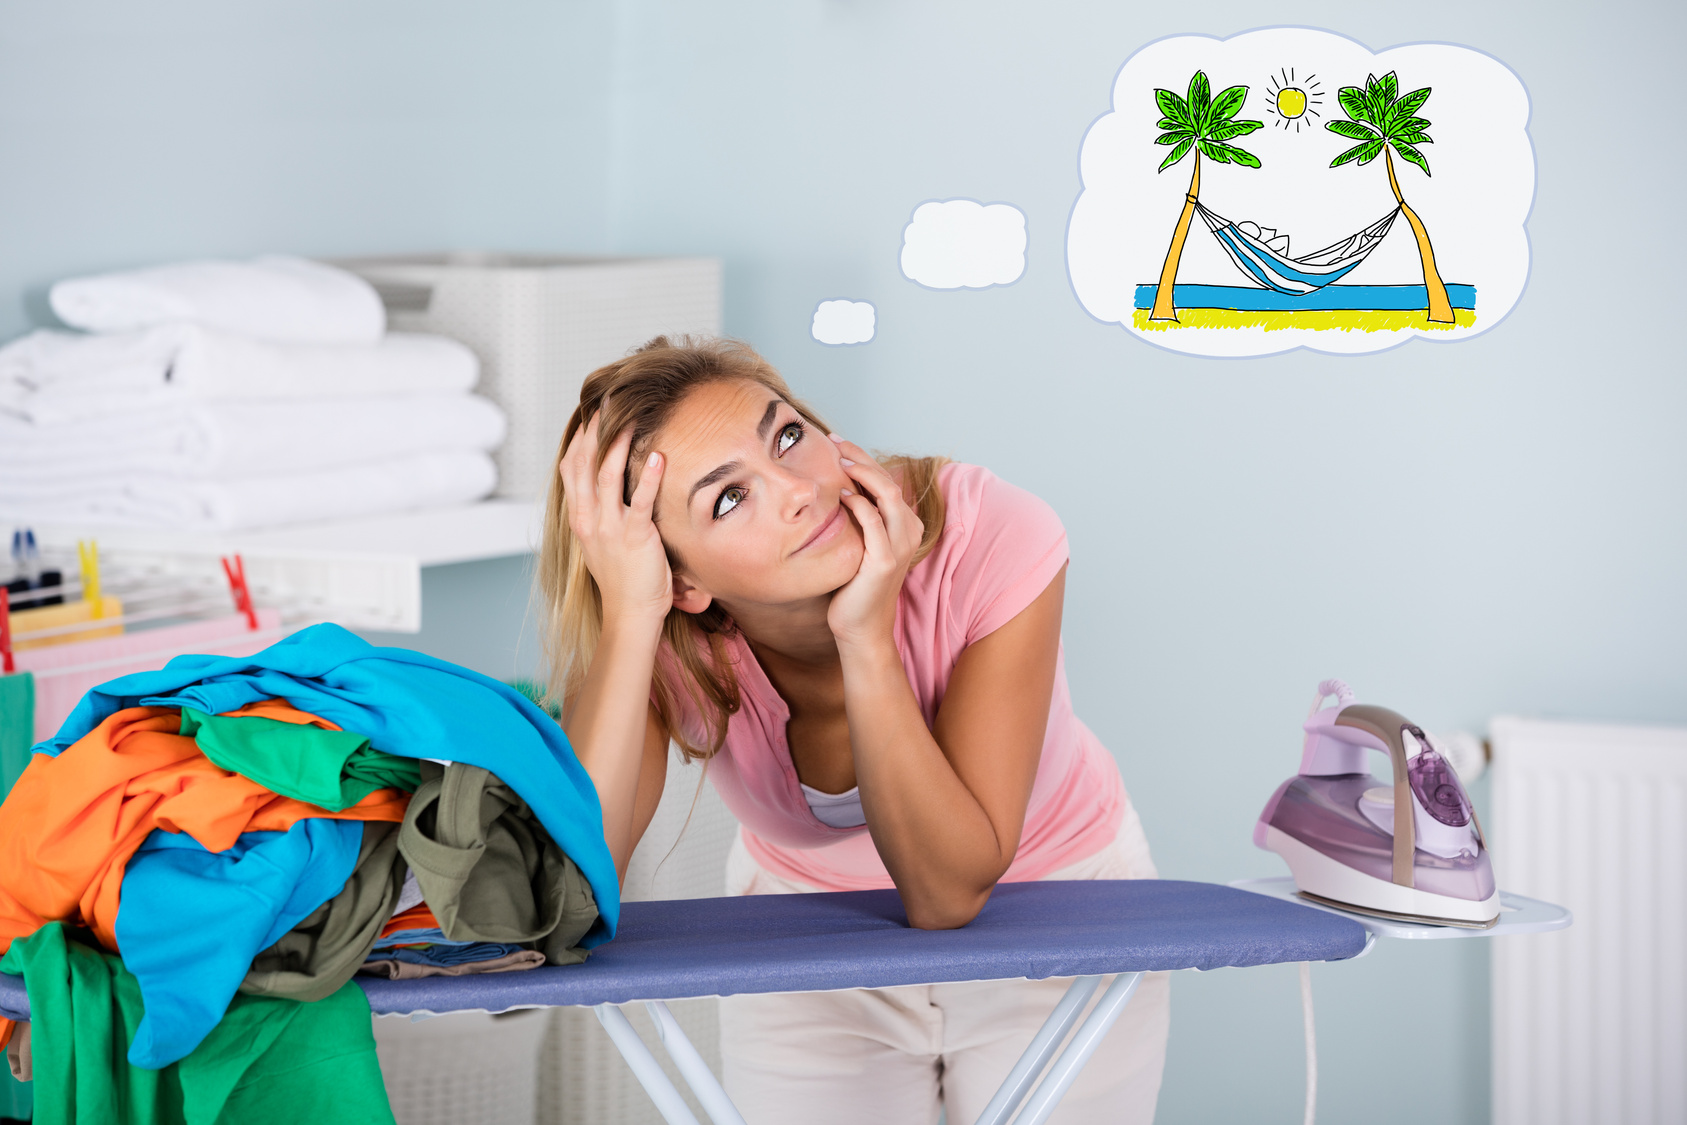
(844, 322)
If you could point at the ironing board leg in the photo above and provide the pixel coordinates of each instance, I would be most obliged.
(1024, 1074)
(1084, 1042)
(692, 1068)
(646, 1069)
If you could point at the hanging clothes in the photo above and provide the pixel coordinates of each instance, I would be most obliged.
(409, 705)
(17, 716)
(268, 1062)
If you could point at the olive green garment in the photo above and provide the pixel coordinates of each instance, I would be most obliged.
(325, 949)
(488, 869)
(332, 769)
(268, 1062)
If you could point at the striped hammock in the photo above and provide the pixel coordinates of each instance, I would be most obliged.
(1262, 254)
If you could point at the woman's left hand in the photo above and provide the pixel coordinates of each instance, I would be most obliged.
(863, 610)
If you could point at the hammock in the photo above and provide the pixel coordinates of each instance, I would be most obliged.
(1262, 254)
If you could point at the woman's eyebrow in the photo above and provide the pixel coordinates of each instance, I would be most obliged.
(726, 470)
(719, 473)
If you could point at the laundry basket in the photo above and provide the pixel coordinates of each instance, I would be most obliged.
(540, 324)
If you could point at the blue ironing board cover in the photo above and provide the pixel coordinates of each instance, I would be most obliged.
(861, 939)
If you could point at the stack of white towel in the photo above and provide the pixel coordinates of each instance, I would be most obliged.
(228, 395)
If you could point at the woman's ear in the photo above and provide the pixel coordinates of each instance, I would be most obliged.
(689, 598)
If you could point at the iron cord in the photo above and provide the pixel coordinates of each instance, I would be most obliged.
(1311, 1042)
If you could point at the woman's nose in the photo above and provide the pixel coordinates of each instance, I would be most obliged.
(797, 491)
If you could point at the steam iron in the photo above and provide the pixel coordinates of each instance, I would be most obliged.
(1412, 851)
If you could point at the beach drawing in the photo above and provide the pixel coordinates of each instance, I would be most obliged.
(1294, 137)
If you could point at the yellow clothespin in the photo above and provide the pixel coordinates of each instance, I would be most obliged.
(88, 551)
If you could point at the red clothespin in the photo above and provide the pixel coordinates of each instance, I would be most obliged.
(7, 664)
(235, 569)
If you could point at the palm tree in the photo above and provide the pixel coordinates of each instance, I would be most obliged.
(1203, 123)
(1385, 124)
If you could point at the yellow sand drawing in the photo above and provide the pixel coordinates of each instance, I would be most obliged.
(1336, 320)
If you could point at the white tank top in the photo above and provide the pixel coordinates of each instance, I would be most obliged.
(836, 810)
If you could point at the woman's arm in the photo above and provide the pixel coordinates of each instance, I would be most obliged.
(628, 763)
(609, 720)
(945, 806)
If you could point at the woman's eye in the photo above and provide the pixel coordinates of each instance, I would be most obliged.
(789, 436)
(729, 500)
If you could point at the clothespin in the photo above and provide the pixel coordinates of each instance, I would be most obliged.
(89, 553)
(235, 570)
(7, 664)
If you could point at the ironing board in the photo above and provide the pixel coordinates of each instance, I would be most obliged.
(671, 950)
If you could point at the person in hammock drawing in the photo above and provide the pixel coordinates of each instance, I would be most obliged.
(1382, 121)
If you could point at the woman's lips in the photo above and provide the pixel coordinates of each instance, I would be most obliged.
(825, 530)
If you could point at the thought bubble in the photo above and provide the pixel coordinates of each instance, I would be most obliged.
(963, 244)
(843, 322)
(1291, 188)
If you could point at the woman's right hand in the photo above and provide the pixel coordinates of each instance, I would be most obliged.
(622, 548)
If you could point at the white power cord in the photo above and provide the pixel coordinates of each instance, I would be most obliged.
(1311, 1042)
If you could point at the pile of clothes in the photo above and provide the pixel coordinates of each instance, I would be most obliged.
(195, 868)
(227, 395)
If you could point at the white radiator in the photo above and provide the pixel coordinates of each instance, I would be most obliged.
(1590, 1024)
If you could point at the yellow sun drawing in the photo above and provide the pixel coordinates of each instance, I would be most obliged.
(1293, 102)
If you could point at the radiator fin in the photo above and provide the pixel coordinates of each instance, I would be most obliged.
(1590, 1023)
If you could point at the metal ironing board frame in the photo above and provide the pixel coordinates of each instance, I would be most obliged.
(1039, 1061)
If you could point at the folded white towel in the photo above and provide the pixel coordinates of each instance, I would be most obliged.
(52, 377)
(215, 439)
(277, 298)
(433, 480)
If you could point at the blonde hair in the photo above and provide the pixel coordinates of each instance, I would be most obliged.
(641, 392)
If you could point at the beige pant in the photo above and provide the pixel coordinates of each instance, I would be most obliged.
(902, 1055)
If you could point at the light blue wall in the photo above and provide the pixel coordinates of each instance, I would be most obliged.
(136, 133)
(1511, 508)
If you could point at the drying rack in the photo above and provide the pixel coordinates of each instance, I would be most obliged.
(364, 573)
(101, 621)
(147, 600)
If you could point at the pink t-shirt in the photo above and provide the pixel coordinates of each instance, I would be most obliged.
(1000, 548)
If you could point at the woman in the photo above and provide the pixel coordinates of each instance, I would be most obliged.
(868, 659)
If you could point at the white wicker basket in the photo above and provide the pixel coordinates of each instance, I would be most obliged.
(468, 1068)
(540, 324)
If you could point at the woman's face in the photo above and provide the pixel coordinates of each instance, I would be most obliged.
(749, 499)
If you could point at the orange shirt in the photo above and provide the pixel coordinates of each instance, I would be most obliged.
(71, 823)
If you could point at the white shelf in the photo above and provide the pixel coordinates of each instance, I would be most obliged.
(363, 573)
